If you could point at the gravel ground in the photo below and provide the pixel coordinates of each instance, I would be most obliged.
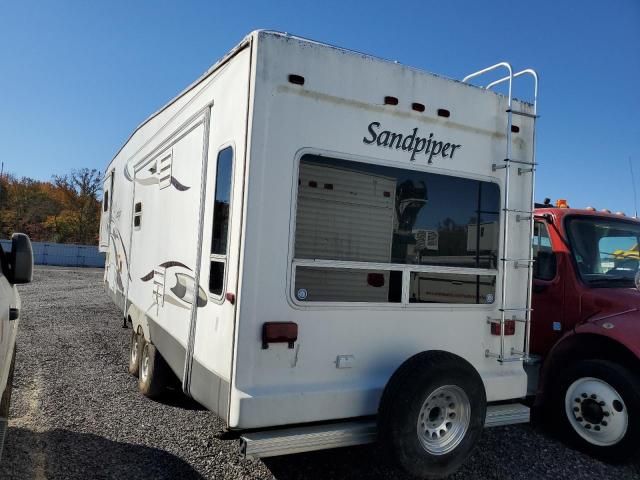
(76, 413)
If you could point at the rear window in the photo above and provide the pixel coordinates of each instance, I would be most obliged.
(367, 233)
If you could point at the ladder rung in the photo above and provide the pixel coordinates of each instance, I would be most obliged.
(515, 210)
(525, 170)
(531, 260)
(501, 359)
(521, 162)
(521, 113)
(523, 309)
(510, 359)
(499, 320)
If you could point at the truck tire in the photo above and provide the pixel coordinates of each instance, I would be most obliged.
(135, 352)
(153, 371)
(432, 413)
(597, 404)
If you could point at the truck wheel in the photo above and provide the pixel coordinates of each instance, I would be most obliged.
(432, 413)
(152, 375)
(135, 352)
(599, 407)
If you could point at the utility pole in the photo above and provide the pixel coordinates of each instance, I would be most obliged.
(1, 172)
(635, 193)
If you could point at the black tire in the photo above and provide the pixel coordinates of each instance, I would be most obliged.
(135, 352)
(590, 410)
(5, 402)
(152, 378)
(402, 401)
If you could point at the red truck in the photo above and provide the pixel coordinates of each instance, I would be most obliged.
(585, 329)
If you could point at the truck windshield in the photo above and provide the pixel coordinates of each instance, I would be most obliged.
(605, 250)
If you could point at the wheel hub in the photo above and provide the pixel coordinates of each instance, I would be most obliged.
(443, 420)
(596, 411)
(592, 411)
(134, 349)
(144, 367)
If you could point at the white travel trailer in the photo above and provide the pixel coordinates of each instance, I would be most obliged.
(291, 235)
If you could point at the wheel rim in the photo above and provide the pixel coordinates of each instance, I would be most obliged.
(443, 420)
(134, 348)
(144, 365)
(596, 411)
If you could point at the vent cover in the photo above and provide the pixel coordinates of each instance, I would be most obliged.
(164, 170)
(427, 239)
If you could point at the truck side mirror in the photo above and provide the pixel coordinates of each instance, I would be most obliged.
(20, 259)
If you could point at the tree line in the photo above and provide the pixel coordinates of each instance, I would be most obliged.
(63, 210)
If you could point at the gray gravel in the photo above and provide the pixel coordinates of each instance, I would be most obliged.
(76, 413)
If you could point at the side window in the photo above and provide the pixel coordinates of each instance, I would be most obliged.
(221, 209)
(105, 201)
(544, 267)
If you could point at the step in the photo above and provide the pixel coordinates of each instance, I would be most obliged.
(276, 442)
(306, 439)
(506, 414)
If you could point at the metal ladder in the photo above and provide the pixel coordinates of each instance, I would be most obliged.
(524, 167)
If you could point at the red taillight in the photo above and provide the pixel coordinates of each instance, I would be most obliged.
(509, 327)
(279, 332)
(375, 279)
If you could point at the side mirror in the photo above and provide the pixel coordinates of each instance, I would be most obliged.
(20, 259)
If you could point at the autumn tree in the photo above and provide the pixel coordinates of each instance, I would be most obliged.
(65, 210)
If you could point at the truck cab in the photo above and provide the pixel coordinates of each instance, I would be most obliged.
(585, 326)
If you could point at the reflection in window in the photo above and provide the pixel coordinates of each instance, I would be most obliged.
(355, 211)
(222, 201)
(428, 287)
(221, 209)
(544, 266)
(396, 220)
(347, 285)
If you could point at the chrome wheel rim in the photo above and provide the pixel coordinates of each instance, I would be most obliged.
(596, 411)
(144, 367)
(134, 348)
(443, 420)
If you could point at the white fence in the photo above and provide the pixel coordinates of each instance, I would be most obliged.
(67, 255)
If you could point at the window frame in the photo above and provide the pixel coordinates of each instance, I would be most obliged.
(534, 256)
(406, 269)
(215, 257)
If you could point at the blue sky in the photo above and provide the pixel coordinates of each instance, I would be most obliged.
(77, 77)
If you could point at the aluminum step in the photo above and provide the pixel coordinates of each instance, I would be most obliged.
(306, 439)
(507, 414)
(272, 443)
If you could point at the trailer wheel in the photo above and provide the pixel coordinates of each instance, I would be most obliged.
(153, 370)
(598, 405)
(135, 352)
(432, 413)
